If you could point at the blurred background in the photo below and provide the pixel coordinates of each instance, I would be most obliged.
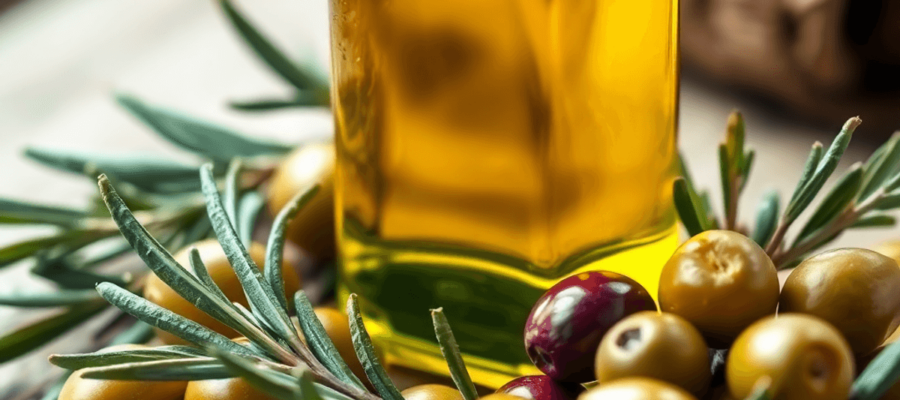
(796, 68)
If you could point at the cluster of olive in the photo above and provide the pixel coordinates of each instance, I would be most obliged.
(718, 291)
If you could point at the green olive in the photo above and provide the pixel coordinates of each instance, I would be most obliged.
(431, 392)
(636, 389)
(313, 227)
(805, 357)
(223, 389)
(79, 388)
(222, 274)
(648, 344)
(721, 282)
(853, 289)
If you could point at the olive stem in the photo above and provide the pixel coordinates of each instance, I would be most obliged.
(843, 221)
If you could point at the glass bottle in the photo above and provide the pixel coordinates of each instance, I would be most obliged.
(487, 149)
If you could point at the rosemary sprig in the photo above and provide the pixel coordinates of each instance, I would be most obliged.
(275, 361)
(857, 200)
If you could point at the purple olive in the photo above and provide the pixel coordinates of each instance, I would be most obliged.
(541, 387)
(567, 323)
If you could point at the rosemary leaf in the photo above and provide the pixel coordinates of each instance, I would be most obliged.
(889, 202)
(50, 299)
(23, 340)
(166, 320)
(812, 161)
(268, 381)
(320, 344)
(263, 301)
(725, 178)
(203, 275)
(882, 373)
(734, 140)
(185, 369)
(201, 137)
(250, 206)
(365, 351)
(884, 169)
(148, 173)
(233, 192)
(766, 218)
(836, 201)
(823, 170)
(74, 239)
(875, 221)
(299, 77)
(303, 98)
(103, 359)
(275, 247)
(687, 207)
(19, 212)
(451, 353)
(748, 166)
(307, 387)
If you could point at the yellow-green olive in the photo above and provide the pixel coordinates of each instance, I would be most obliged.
(805, 357)
(431, 392)
(222, 274)
(313, 227)
(224, 389)
(721, 282)
(636, 389)
(79, 388)
(856, 290)
(655, 345)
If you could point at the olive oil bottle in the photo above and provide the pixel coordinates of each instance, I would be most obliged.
(489, 148)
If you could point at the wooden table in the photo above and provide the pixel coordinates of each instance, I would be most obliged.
(61, 60)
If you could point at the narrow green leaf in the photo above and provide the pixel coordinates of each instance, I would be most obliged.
(882, 373)
(274, 58)
(889, 202)
(34, 335)
(263, 301)
(186, 369)
(748, 166)
(725, 177)
(146, 172)
(735, 141)
(307, 386)
(812, 161)
(30, 247)
(365, 351)
(50, 299)
(103, 359)
(766, 218)
(451, 353)
(836, 201)
(19, 212)
(320, 344)
(250, 206)
(233, 191)
(687, 208)
(203, 275)
(201, 137)
(68, 275)
(875, 221)
(885, 168)
(823, 170)
(304, 98)
(166, 320)
(268, 381)
(275, 247)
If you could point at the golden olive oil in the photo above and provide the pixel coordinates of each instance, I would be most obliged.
(487, 149)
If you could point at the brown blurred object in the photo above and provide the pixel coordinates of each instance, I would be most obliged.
(825, 60)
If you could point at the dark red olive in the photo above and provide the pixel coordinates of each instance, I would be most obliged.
(540, 387)
(566, 324)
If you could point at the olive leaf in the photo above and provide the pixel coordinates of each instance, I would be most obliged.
(307, 386)
(882, 169)
(268, 381)
(689, 208)
(153, 174)
(303, 98)
(249, 208)
(232, 192)
(874, 221)
(72, 239)
(839, 198)
(882, 373)
(365, 352)
(301, 78)
(451, 353)
(766, 218)
(320, 344)
(201, 137)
